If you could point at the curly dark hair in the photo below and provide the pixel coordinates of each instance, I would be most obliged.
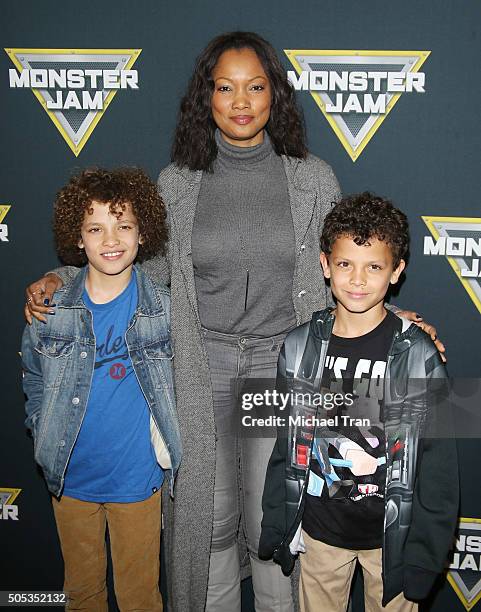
(364, 216)
(194, 142)
(115, 188)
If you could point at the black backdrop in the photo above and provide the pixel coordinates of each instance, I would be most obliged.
(425, 156)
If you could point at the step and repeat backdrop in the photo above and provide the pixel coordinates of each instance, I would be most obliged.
(390, 94)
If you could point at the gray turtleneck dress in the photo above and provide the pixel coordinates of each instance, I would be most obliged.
(243, 256)
(243, 248)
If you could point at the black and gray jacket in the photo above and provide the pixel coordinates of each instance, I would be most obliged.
(422, 488)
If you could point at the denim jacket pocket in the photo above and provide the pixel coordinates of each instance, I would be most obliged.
(158, 363)
(54, 348)
(160, 350)
(56, 357)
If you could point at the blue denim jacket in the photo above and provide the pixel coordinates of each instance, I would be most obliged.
(58, 362)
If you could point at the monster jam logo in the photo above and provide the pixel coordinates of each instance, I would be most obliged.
(75, 87)
(4, 208)
(356, 90)
(459, 240)
(464, 570)
(8, 511)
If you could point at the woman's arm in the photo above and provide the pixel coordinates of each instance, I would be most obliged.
(39, 294)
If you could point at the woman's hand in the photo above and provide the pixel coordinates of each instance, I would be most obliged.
(426, 327)
(39, 297)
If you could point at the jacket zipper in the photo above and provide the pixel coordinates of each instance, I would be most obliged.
(386, 454)
(325, 345)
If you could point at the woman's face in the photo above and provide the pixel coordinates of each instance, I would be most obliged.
(241, 101)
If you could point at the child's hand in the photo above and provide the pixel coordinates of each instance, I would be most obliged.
(39, 297)
(426, 327)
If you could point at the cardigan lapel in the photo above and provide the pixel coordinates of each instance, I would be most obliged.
(182, 212)
(302, 196)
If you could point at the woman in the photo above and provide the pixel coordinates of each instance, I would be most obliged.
(246, 204)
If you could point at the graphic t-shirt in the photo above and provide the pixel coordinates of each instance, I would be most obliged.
(113, 459)
(345, 496)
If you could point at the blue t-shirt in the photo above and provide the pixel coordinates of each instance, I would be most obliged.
(113, 459)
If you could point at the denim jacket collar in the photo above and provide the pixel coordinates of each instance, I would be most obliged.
(148, 305)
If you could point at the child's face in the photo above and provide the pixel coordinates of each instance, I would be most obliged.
(360, 275)
(110, 243)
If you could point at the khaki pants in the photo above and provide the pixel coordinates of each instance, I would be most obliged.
(326, 574)
(134, 531)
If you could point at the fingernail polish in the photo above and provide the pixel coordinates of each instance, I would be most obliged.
(46, 302)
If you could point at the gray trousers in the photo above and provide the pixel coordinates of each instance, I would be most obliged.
(241, 465)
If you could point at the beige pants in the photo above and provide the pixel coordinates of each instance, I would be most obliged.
(326, 575)
(134, 531)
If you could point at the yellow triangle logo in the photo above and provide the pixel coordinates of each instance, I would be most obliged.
(356, 111)
(4, 208)
(459, 240)
(463, 573)
(74, 109)
(8, 496)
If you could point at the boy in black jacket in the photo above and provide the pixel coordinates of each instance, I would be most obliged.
(365, 475)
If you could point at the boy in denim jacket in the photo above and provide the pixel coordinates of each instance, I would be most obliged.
(99, 386)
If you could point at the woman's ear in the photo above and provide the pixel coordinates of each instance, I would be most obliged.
(80, 244)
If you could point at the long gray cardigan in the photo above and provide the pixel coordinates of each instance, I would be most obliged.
(312, 188)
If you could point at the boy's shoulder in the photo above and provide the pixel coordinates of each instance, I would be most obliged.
(151, 285)
(154, 296)
(319, 325)
(297, 334)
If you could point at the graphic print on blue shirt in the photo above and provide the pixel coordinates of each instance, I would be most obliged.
(113, 459)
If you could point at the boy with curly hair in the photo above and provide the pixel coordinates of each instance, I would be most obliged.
(99, 386)
(370, 481)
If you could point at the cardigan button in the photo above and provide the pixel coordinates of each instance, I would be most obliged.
(301, 293)
(75, 401)
(83, 354)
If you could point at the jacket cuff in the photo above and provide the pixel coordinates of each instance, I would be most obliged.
(418, 582)
(285, 559)
(268, 543)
